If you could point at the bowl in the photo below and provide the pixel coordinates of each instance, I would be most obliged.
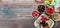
(56, 17)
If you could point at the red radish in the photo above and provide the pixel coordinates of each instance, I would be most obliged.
(34, 13)
(49, 11)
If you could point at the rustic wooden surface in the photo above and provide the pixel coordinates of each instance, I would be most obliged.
(22, 18)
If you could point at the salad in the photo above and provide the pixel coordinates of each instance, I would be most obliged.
(44, 22)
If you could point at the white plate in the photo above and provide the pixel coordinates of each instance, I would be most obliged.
(38, 20)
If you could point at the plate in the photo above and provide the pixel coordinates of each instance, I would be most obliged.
(50, 21)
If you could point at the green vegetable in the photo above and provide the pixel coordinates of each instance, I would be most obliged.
(49, 23)
(47, 2)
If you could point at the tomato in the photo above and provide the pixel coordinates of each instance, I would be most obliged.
(49, 11)
(34, 13)
(44, 18)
